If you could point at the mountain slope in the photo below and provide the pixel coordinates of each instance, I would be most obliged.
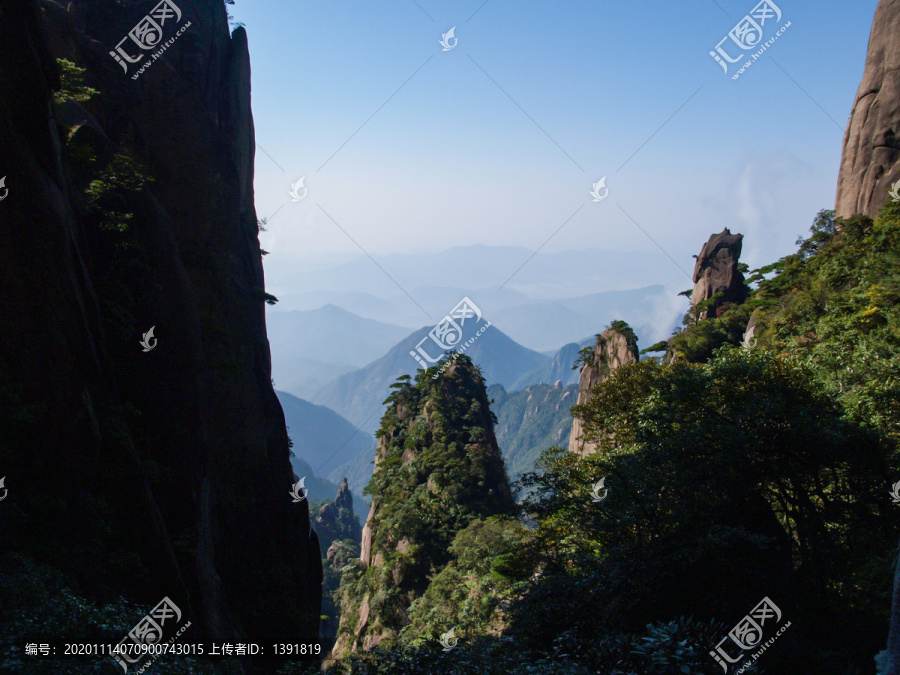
(530, 421)
(302, 376)
(324, 441)
(359, 395)
(330, 335)
(438, 468)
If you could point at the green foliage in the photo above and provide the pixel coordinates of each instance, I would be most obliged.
(587, 355)
(728, 481)
(110, 195)
(677, 647)
(36, 603)
(697, 343)
(680, 646)
(732, 474)
(836, 304)
(623, 328)
(703, 306)
(72, 83)
(451, 474)
(439, 469)
(661, 346)
(465, 594)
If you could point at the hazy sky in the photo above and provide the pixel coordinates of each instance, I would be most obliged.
(409, 148)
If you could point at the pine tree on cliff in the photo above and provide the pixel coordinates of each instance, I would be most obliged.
(437, 468)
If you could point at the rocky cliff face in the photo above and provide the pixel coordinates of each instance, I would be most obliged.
(160, 471)
(870, 167)
(869, 162)
(336, 521)
(339, 534)
(438, 468)
(614, 347)
(716, 271)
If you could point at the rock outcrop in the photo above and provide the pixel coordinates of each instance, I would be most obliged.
(339, 534)
(869, 161)
(336, 521)
(438, 467)
(716, 271)
(615, 346)
(160, 470)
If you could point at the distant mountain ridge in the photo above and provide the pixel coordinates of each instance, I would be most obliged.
(359, 395)
(560, 368)
(311, 348)
(480, 266)
(530, 421)
(323, 441)
(331, 334)
(552, 300)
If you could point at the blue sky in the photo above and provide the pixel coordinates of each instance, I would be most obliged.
(408, 148)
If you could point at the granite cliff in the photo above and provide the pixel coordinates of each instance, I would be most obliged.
(339, 534)
(162, 468)
(615, 346)
(869, 161)
(717, 276)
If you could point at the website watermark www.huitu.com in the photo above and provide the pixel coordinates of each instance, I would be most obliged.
(748, 634)
(147, 34)
(448, 334)
(145, 639)
(748, 34)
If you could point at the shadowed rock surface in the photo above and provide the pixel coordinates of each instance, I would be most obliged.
(871, 143)
(143, 473)
(336, 520)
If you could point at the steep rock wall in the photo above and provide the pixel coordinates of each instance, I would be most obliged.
(869, 161)
(184, 446)
(612, 349)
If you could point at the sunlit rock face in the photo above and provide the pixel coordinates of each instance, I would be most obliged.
(869, 163)
(612, 350)
(716, 271)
